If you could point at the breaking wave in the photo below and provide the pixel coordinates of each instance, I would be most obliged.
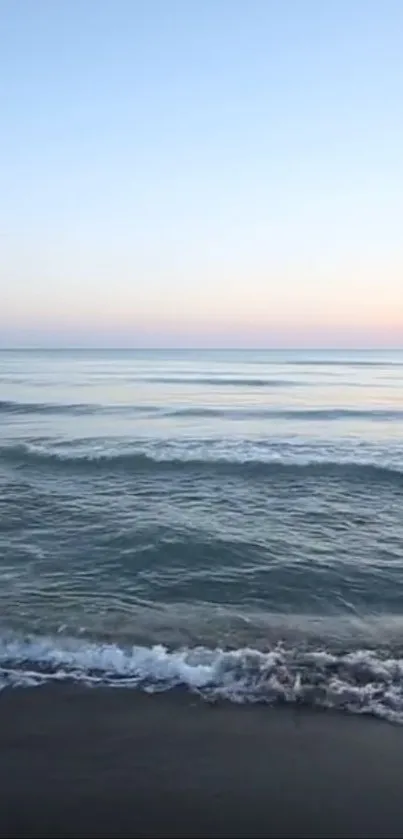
(362, 681)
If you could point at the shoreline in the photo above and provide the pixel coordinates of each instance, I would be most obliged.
(101, 762)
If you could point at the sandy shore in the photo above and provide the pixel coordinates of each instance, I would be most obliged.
(78, 762)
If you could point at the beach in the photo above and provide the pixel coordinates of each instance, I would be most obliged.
(75, 761)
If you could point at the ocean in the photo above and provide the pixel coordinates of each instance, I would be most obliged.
(229, 523)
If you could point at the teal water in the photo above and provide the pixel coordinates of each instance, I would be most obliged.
(230, 521)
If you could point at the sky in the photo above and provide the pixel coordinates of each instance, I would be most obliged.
(201, 173)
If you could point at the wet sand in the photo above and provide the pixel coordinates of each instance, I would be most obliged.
(81, 762)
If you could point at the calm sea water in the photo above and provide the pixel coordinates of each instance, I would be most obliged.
(227, 521)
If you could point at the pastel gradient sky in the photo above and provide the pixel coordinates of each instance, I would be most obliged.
(201, 172)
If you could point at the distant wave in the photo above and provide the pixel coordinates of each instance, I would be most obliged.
(361, 681)
(157, 461)
(339, 362)
(216, 381)
(321, 414)
(200, 412)
(10, 407)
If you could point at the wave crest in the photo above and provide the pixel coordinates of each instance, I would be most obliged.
(235, 460)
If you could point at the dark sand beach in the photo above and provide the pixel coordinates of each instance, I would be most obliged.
(111, 762)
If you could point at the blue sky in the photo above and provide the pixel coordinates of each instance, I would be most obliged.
(204, 173)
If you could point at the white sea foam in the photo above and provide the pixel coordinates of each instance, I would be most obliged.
(361, 681)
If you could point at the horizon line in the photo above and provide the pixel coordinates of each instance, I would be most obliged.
(73, 348)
